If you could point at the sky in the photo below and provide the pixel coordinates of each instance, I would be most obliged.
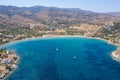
(92, 5)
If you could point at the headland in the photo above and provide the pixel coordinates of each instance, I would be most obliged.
(8, 63)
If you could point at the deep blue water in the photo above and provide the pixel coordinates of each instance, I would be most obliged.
(39, 60)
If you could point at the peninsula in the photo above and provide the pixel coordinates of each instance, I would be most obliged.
(8, 63)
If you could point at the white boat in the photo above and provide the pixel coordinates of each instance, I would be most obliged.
(74, 57)
(57, 49)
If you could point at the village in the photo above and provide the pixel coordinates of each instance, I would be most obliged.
(8, 61)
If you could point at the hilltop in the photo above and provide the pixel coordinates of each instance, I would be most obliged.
(52, 16)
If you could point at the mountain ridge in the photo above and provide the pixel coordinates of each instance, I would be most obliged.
(16, 16)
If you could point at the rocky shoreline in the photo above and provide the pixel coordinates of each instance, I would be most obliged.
(116, 54)
(8, 63)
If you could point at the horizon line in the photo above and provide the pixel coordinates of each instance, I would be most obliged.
(61, 8)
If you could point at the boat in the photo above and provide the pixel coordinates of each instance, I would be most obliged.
(74, 57)
(57, 49)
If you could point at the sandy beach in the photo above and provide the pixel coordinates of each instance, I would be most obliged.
(114, 54)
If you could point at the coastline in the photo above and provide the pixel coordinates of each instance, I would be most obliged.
(114, 54)
(51, 36)
(14, 60)
(58, 36)
(7, 75)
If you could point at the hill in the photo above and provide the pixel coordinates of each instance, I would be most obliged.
(51, 16)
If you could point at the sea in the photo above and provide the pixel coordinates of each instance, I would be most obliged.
(64, 58)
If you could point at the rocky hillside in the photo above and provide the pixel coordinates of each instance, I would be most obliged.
(51, 16)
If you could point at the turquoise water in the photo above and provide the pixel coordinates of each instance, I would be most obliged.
(39, 60)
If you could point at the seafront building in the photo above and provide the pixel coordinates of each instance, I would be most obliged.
(7, 62)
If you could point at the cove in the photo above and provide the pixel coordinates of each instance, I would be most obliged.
(53, 59)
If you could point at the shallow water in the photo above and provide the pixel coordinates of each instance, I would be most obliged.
(39, 60)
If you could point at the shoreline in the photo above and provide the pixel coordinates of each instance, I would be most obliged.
(51, 36)
(116, 54)
(12, 66)
(113, 54)
(7, 75)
